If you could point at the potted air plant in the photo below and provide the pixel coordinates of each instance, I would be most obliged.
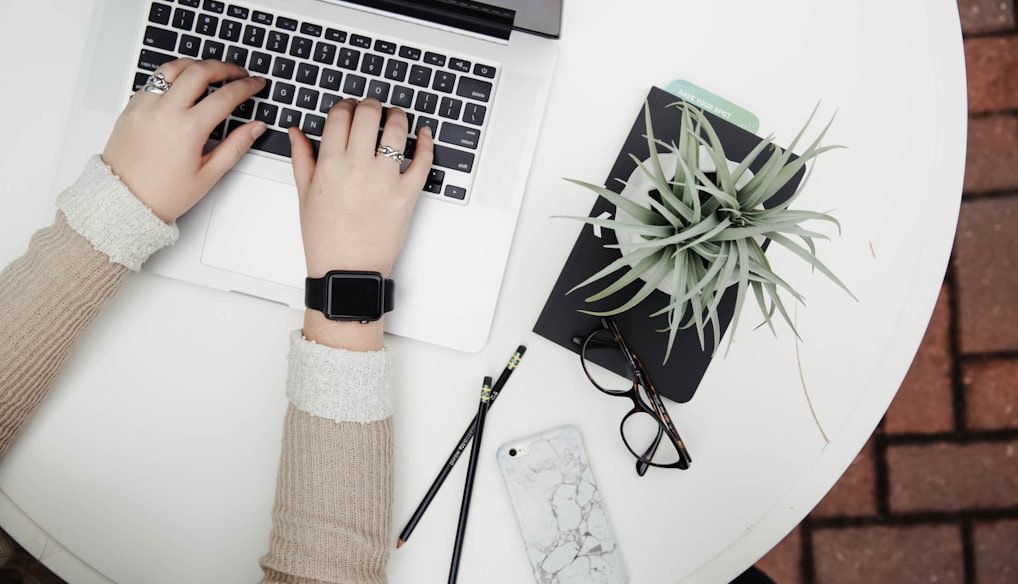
(692, 223)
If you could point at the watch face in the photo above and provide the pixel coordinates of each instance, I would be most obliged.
(354, 296)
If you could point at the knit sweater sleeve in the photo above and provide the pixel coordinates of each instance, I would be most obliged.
(50, 295)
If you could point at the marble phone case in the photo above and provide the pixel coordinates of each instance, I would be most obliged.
(559, 509)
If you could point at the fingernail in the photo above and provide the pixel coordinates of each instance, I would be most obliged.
(427, 130)
(258, 129)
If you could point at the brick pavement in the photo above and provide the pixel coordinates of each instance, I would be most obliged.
(933, 497)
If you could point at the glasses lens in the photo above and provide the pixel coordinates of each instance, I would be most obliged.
(647, 439)
(603, 359)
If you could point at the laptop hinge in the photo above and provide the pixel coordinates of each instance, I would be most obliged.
(475, 17)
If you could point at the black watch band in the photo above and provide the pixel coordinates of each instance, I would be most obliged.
(350, 296)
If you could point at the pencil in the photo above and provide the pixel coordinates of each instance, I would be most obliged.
(468, 435)
(468, 487)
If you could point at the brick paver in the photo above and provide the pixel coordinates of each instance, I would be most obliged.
(995, 546)
(984, 16)
(991, 63)
(855, 493)
(953, 477)
(889, 555)
(986, 274)
(991, 394)
(784, 563)
(991, 161)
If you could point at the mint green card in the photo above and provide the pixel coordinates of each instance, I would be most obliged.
(714, 104)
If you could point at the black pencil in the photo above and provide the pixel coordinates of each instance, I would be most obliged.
(468, 435)
(468, 487)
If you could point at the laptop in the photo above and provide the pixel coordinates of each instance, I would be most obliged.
(478, 74)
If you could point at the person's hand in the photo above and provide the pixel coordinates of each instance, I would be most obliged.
(355, 205)
(156, 147)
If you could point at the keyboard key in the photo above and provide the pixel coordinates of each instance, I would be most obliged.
(473, 113)
(385, 47)
(260, 63)
(313, 125)
(266, 90)
(459, 65)
(372, 64)
(283, 93)
(354, 85)
(277, 41)
(274, 142)
(426, 121)
(160, 13)
(426, 102)
(231, 30)
(266, 112)
(207, 25)
(484, 71)
(183, 19)
(152, 60)
(378, 90)
(302, 47)
(262, 18)
(214, 6)
(454, 192)
(329, 100)
(403, 97)
(444, 81)
(286, 23)
(335, 35)
(213, 51)
(450, 108)
(283, 68)
(307, 73)
(309, 29)
(139, 81)
(237, 56)
(452, 158)
(189, 45)
(348, 58)
(395, 70)
(191, 3)
(436, 175)
(331, 79)
(433, 187)
(289, 118)
(325, 53)
(238, 12)
(434, 59)
(160, 38)
(361, 41)
(254, 36)
(460, 135)
(474, 89)
(420, 76)
(307, 98)
(245, 110)
(410, 53)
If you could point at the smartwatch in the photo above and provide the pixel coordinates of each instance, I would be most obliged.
(350, 296)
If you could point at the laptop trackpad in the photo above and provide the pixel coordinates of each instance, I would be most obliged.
(255, 230)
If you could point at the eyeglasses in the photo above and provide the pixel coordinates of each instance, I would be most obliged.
(647, 430)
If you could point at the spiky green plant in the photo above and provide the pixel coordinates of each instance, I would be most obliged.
(703, 231)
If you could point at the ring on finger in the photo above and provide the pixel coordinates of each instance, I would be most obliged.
(156, 83)
(390, 152)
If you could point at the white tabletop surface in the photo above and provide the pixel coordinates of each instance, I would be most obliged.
(154, 458)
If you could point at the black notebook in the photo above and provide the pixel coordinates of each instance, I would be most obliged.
(560, 320)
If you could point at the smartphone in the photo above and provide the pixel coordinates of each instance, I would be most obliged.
(559, 509)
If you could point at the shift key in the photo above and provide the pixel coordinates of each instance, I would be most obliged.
(452, 158)
(460, 135)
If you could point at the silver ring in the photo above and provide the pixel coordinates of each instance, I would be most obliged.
(156, 84)
(390, 152)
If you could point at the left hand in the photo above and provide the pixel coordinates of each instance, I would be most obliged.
(156, 147)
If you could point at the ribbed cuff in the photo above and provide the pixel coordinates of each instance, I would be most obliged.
(101, 208)
(336, 384)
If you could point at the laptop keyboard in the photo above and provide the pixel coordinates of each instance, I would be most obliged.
(310, 66)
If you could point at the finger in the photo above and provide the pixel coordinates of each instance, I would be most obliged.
(364, 129)
(226, 155)
(192, 82)
(213, 109)
(424, 156)
(303, 158)
(337, 129)
(395, 131)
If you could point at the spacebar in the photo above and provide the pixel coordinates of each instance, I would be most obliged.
(274, 142)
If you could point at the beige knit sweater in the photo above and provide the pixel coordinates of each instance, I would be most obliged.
(332, 515)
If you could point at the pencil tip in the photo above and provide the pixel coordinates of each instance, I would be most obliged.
(399, 543)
